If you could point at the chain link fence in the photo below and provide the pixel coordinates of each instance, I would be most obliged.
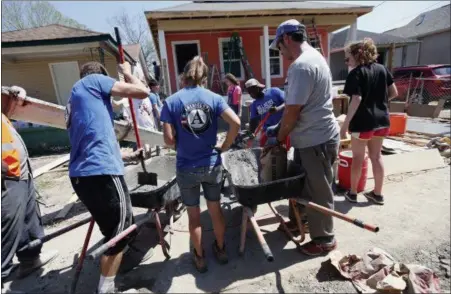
(424, 90)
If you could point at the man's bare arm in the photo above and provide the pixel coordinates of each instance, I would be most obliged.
(234, 126)
(289, 118)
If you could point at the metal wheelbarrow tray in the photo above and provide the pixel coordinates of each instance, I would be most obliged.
(253, 193)
(164, 196)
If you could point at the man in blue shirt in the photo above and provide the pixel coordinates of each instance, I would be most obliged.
(96, 168)
(265, 100)
(190, 122)
(156, 102)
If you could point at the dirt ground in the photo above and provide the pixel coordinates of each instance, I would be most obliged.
(415, 228)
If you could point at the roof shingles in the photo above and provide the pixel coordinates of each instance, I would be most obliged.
(338, 40)
(50, 32)
(426, 23)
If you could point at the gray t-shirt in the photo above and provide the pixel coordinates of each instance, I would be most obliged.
(309, 83)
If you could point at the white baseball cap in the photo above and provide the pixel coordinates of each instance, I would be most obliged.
(253, 83)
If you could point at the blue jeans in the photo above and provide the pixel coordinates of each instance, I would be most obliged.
(189, 182)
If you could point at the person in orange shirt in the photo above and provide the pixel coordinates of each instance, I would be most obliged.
(21, 218)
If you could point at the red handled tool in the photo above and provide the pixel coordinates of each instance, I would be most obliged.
(144, 178)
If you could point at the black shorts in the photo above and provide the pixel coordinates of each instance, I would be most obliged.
(107, 199)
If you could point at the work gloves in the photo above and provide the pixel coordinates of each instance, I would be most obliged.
(272, 131)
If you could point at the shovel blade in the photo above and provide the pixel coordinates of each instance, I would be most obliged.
(147, 179)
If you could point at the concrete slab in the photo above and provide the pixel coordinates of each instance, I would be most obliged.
(415, 228)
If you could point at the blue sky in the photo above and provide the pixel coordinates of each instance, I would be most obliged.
(388, 15)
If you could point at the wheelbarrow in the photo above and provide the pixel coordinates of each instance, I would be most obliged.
(250, 196)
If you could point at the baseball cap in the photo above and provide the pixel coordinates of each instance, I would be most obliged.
(253, 83)
(288, 26)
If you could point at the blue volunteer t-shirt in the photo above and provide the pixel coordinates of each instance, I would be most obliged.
(194, 113)
(89, 120)
(155, 100)
(259, 108)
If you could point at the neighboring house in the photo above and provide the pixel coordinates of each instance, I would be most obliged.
(433, 29)
(202, 28)
(45, 61)
(137, 54)
(383, 43)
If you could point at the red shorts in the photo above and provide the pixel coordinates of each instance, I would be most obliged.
(264, 138)
(370, 134)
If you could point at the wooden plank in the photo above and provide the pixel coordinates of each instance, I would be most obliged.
(63, 212)
(48, 114)
(409, 162)
(43, 169)
(178, 25)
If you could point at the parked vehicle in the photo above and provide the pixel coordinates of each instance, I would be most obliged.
(427, 82)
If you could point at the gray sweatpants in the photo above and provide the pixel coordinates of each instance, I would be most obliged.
(21, 222)
(318, 163)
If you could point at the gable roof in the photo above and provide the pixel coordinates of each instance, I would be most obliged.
(134, 50)
(263, 7)
(426, 23)
(338, 40)
(56, 34)
(50, 32)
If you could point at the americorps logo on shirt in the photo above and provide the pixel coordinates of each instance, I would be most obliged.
(196, 117)
(67, 114)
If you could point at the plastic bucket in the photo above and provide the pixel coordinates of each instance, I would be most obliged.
(344, 171)
(398, 123)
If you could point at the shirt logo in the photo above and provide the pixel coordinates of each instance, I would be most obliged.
(196, 118)
(262, 109)
(67, 114)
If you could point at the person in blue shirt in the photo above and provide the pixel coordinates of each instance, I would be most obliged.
(265, 100)
(96, 169)
(190, 123)
(156, 102)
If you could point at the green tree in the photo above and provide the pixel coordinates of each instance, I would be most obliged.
(20, 15)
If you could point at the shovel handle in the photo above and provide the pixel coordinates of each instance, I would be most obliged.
(130, 100)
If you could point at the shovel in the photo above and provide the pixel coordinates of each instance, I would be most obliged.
(144, 177)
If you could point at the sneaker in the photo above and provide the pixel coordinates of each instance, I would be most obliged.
(178, 211)
(199, 262)
(220, 254)
(378, 199)
(27, 267)
(133, 257)
(313, 248)
(351, 197)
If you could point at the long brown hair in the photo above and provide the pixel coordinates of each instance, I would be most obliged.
(364, 52)
(231, 78)
(195, 72)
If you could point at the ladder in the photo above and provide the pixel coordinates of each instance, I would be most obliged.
(214, 78)
(314, 38)
(235, 42)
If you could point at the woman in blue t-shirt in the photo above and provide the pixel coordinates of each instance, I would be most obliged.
(190, 124)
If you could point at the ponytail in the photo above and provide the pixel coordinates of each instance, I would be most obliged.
(195, 72)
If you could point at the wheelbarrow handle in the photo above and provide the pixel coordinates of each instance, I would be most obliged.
(339, 215)
(35, 243)
(102, 249)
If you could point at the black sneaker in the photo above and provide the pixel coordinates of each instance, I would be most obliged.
(378, 199)
(351, 197)
(220, 254)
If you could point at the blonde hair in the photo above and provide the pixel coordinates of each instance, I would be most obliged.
(364, 52)
(195, 72)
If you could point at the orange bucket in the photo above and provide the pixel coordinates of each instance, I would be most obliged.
(398, 123)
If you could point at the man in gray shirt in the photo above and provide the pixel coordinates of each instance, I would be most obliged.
(309, 121)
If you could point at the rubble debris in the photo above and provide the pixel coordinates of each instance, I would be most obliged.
(244, 167)
(377, 271)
